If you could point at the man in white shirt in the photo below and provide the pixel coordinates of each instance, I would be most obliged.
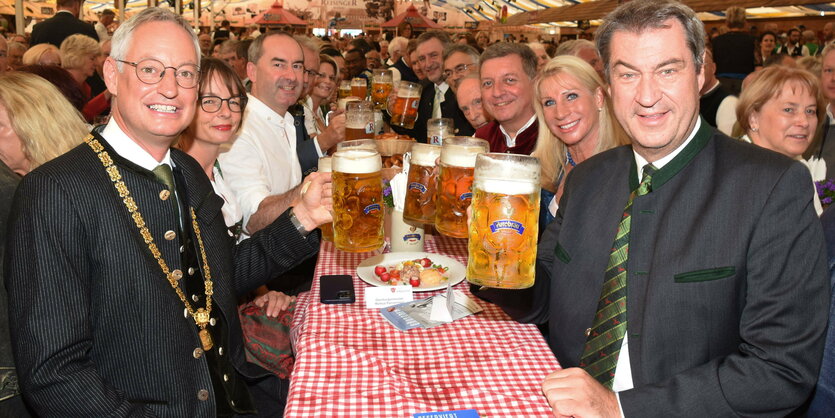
(717, 105)
(262, 166)
(105, 20)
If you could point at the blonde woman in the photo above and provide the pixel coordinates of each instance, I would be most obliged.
(570, 99)
(42, 54)
(780, 111)
(27, 140)
(78, 56)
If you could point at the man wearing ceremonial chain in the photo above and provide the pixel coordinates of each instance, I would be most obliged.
(123, 280)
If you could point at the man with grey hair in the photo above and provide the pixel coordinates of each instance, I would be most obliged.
(469, 101)
(507, 73)
(232, 54)
(123, 283)
(105, 20)
(460, 60)
(700, 290)
(401, 69)
(585, 50)
(541, 54)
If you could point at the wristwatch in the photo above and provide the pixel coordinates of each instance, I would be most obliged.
(297, 224)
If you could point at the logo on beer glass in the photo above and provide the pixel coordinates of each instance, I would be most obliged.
(507, 224)
(465, 196)
(417, 186)
(372, 208)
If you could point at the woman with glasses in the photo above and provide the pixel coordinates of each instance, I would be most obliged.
(222, 99)
(317, 103)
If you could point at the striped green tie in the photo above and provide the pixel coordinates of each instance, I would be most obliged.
(600, 354)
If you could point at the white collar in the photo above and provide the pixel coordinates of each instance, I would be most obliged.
(641, 161)
(443, 87)
(715, 86)
(522, 129)
(262, 110)
(129, 149)
(829, 113)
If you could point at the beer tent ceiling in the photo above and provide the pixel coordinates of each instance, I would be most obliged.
(519, 12)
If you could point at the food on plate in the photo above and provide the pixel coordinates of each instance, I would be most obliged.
(417, 272)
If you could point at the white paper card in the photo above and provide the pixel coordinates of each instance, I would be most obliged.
(384, 296)
(442, 306)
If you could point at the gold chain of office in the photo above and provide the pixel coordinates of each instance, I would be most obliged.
(201, 316)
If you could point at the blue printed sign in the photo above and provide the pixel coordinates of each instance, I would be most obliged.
(371, 208)
(507, 224)
(417, 186)
(412, 238)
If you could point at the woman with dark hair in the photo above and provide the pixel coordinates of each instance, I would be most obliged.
(405, 30)
(62, 79)
(222, 100)
(765, 48)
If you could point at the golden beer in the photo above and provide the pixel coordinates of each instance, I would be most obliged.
(381, 85)
(327, 229)
(405, 110)
(455, 180)
(344, 89)
(504, 226)
(420, 184)
(359, 88)
(359, 120)
(358, 208)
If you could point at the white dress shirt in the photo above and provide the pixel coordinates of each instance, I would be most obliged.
(263, 160)
(128, 149)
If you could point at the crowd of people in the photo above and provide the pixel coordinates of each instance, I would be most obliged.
(157, 171)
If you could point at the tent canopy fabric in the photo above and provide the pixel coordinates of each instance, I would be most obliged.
(277, 15)
(411, 15)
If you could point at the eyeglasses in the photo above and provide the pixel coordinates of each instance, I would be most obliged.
(459, 69)
(212, 104)
(151, 71)
(312, 73)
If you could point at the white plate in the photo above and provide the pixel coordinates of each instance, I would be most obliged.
(365, 270)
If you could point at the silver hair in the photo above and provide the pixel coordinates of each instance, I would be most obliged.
(398, 45)
(639, 15)
(573, 46)
(123, 36)
(464, 49)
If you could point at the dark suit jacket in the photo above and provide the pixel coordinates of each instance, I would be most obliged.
(96, 328)
(727, 281)
(8, 183)
(57, 28)
(449, 109)
(305, 146)
(406, 72)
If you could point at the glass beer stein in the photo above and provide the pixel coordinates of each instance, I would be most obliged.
(359, 120)
(420, 184)
(455, 180)
(381, 85)
(405, 110)
(358, 208)
(504, 225)
(327, 229)
(439, 128)
(359, 87)
(344, 89)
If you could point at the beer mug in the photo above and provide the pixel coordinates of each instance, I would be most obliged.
(381, 85)
(420, 184)
(359, 120)
(455, 180)
(439, 128)
(504, 225)
(359, 87)
(405, 110)
(327, 229)
(358, 208)
(344, 89)
(365, 143)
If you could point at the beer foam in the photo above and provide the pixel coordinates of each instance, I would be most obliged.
(408, 93)
(357, 161)
(325, 164)
(355, 123)
(425, 155)
(507, 187)
(460, 156)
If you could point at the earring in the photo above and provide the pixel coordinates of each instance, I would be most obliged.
(599, 109)
(755, 129)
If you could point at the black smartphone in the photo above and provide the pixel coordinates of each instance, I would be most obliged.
(337, 288)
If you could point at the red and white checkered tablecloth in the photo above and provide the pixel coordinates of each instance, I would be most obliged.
(350, 362)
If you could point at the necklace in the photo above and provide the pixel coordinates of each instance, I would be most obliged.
(201, 316)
